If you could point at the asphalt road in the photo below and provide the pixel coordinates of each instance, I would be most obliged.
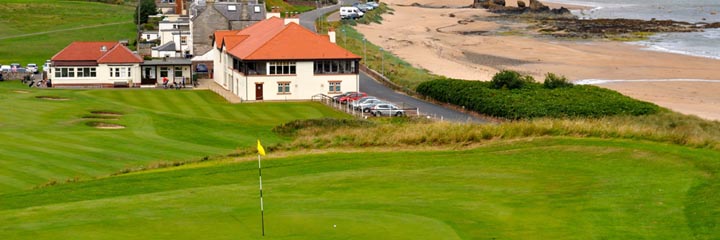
(374, 88)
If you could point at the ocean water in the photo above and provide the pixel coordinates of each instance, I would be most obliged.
(701, 44)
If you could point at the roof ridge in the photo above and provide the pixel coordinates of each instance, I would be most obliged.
(285, 28)
(113, 48)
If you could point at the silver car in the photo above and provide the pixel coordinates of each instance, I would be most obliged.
(386, 109)
(367, 105)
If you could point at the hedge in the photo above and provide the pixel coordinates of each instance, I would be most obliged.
(534, 101)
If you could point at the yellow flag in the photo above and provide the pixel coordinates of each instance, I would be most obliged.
(261, 150)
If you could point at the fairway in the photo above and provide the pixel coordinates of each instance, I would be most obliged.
(48, 135)
(55, 25)
(546, 188)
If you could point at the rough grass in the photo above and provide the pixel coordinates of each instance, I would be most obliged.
(46, 141)
(667, 127)
(547, 188)
(21, 17)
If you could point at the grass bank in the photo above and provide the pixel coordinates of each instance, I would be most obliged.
(546, 188)
(57, 24)
(48, 134)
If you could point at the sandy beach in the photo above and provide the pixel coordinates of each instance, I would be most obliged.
(461, 43)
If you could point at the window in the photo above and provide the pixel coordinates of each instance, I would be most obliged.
(164, 71)
(183, 40)
(178, 72)
(257, 9)
(281, 68)
(232, 8)
(86, 72)
(335, 67)
(283, 87)
(120, 72)
(334, 87)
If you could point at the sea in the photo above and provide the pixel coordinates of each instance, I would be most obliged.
(701, 44)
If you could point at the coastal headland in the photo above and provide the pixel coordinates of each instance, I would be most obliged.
(451, 39)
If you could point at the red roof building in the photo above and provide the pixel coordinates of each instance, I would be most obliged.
(277, 59)
(95, 64)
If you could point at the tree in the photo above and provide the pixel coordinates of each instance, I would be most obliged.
(147, 8)
(510, 80)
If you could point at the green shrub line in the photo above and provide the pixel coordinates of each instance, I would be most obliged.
(534, 101)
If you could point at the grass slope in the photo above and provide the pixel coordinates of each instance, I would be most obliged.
(99, 22)
(547, 188)
(46, 139)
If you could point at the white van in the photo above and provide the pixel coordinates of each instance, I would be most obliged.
(350, 13)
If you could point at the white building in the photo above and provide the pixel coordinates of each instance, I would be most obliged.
(95, 64)
(277, 59)
(175, 37)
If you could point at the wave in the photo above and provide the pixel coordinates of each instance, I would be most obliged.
(605, 81)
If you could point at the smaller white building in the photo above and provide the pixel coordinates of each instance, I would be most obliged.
(175, 37)
(95, 64)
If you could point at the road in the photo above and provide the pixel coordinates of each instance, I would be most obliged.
(374, 88)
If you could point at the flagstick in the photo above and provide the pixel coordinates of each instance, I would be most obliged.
(262, 211)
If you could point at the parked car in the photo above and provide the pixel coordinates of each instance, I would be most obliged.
(5, 68)
(386, 109)
(352, 97)
(361, 100)
(363, 7)
(350, 13)
(367, 105)
(31, 67)
(337, 98)
(373, 3)
(14, 66)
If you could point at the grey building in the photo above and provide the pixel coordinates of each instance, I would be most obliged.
(208, 16)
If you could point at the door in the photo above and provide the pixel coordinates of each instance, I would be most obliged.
(148, 76)
(258, 91)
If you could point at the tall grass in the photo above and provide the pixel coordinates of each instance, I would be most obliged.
(665, 127)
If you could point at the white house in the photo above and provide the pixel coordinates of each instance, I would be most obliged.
(277, 59)
(175, 37)
(96, 64)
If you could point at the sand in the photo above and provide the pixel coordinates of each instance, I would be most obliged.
(431, 38)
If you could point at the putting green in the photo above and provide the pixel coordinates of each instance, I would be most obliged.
(546, 188)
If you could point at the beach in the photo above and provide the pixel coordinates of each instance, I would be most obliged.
(461, 43)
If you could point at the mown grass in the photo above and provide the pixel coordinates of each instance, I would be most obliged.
(546, 188)
(21, 17)
(45, 140)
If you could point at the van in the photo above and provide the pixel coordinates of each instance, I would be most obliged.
(350, 13)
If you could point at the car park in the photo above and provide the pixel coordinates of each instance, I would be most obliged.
(31, 67)
(386, 109)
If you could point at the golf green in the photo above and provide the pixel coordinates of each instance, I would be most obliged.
(544, 188)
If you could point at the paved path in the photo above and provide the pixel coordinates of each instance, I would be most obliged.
(374, 88)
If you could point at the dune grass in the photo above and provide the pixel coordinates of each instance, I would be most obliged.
(99, 22)
(49, 138)
(546, 188)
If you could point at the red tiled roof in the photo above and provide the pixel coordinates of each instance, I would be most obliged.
(271, 39)
(233, 40)
(120, 54)
(219, 35)
(92, 51)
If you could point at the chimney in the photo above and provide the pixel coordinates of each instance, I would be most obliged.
(275, 13)
(331, 34)
(179, 6)
(291, 17)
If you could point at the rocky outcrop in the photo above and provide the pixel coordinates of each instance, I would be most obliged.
(534, 6)
(616, 28)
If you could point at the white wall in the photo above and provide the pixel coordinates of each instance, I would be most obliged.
(102, 75)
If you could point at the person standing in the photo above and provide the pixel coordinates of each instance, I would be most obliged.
(165, 82)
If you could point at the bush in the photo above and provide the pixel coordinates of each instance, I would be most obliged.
(554, 81)
(291, 127)
(534, 101)
(510, 80)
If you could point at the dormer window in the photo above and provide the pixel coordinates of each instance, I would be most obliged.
(232, 8)
(257, 9)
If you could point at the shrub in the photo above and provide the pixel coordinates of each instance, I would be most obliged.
(534, 101)
(510, 80)
(291, 127)
(554, 81)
